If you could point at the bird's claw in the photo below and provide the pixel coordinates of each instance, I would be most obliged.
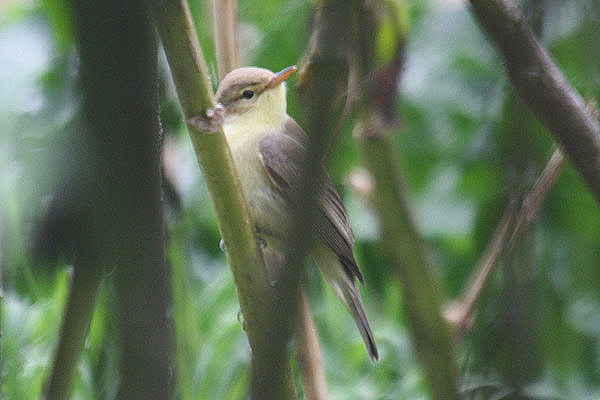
(262, 243)
(211, 121)
(241, 320)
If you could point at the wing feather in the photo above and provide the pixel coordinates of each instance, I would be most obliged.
(281, 155)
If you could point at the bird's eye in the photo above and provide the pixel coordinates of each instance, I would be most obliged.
(248, 94)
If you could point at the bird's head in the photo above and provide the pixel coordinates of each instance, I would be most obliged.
(254, 99)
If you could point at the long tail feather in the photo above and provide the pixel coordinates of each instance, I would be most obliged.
(360, 317)
(346, 289)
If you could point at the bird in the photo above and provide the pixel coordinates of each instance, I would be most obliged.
(268, 148)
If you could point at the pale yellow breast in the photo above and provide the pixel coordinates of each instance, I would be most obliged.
(268, 209)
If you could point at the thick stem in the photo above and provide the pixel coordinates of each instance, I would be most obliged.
(422, 291)
(538, 80)
(121, 223)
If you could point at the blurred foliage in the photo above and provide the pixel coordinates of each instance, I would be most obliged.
(467, 144)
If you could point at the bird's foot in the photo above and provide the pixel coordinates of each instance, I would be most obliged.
(241, 320)
(262, 243)
(211, 121)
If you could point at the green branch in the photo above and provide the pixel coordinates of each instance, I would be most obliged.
(422, 292)
(189, 71)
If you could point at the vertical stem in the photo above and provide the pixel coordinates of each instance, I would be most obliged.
(422, 291)
(1, 295)
(87, 275)
(226, 35)
(308, 353)
(270, 362)
(125, 226)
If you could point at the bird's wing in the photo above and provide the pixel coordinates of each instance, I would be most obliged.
(281, 156)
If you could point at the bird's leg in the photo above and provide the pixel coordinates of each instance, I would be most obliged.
(240, 318)
(271, 259)
(211, 121)
(261, 242)
(263, 245)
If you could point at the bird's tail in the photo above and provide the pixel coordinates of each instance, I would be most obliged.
(346, 289)
(355, 307)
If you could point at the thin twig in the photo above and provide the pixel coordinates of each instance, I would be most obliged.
(534, 198)
(460, 314)
(309, 354)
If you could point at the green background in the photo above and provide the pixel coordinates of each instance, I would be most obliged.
(467, 145)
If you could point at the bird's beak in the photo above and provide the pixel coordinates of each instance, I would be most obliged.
(281, 76)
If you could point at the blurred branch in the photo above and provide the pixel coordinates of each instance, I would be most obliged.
(321, 79)
(536, 196)
(308, 353)
(422, 291)
(1, 293)
(328, 48)
(87, 275)
(460, 315)
(118, 196)
(226, 35)
(328, 45)
(271, 372)
(539, 81)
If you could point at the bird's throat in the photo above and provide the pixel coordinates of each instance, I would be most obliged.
(267, 115)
